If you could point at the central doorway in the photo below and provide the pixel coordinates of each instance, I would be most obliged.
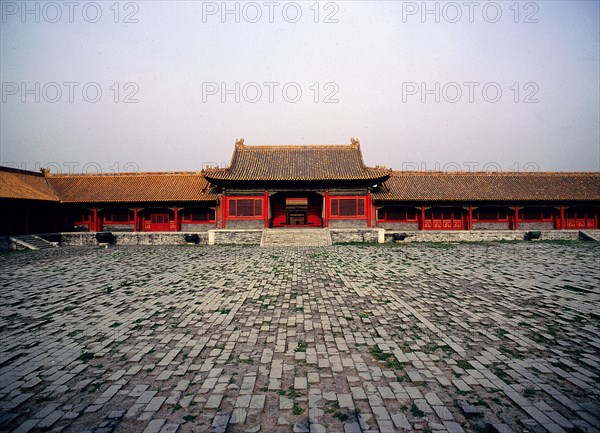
(297, 219)
(296, 209)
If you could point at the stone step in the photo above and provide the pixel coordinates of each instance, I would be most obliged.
(589, 236)
(32, 242)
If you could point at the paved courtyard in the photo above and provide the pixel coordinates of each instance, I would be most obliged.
(429, 338)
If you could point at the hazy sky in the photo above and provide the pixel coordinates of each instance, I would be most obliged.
(510, 86)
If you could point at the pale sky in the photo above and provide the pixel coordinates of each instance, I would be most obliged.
(381, 65)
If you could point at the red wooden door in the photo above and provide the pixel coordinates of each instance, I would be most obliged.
(159, 222)
(581, 219)
(445, 219)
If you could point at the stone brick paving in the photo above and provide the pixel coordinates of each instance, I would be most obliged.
(428, 338)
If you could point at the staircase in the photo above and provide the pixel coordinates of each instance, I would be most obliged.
(589, 236)
(295, 238)
(32, 242)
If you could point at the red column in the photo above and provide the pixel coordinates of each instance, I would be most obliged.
(223, 211)
(326, 220)
(266, 209)
(135, 219)
(217, 210)
(470, 222)
(374, 213)
(516, 218)
(368, 204)
(176, 216)
(562, 218)
(422, 218)
(95, 220)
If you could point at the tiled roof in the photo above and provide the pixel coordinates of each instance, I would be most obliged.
(132, 187)
(296, 163)
(435, 186)
(24, 185)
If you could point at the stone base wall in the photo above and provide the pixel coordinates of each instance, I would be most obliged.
(81, 239)
(241, 237)
(399, 226)
(357, 235)
(254, 237)
(197, 227)
(491, 226)
(245, 224)
(131, 238)
(480, 235)
(118, 227)
(347, 224)
(155, 238)
(536, 226)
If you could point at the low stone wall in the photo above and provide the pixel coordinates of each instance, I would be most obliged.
(480, 235)
(131, 238)
(240, 237)
(156, 238)
(253, 237)
(373, 235)
(82, 239)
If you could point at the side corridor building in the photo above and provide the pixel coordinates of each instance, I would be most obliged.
(296, 186)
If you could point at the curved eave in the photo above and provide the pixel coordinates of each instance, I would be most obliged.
(44, 199)
(144, 200)
(225, 178)
(571, 199)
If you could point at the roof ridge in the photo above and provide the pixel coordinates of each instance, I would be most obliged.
(127, 174)
(495, 173)
(295, 146)
(6, 169)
